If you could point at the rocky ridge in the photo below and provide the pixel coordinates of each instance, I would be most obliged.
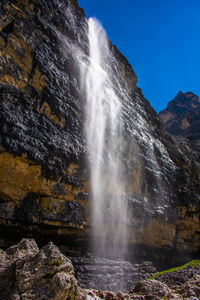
(182, 116)
(44, 178)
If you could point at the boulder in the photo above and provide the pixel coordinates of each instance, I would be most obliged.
(191, 288)
(29, 273)
(152, 288)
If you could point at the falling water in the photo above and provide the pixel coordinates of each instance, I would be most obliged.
(103, 132)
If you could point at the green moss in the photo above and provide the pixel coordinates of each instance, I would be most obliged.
(57, 262)
(193, 263)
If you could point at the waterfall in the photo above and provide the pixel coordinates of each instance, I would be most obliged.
(103, 127)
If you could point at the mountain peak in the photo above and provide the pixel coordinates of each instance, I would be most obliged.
(182, 115)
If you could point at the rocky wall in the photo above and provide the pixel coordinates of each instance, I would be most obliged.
(44, 177)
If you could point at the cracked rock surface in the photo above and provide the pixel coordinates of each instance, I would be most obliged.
(29, 273)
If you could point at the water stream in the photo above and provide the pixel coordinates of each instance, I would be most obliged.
(104, 139)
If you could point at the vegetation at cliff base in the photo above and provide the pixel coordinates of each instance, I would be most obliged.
(192, 264)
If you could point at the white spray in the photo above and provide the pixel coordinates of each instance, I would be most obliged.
(104, 138)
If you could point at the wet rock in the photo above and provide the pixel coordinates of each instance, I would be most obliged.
(106, 274)
(148, 267)
(59, 189)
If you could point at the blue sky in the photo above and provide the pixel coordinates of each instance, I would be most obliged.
(160, 39)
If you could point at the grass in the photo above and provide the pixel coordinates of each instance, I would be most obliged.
(193, 263)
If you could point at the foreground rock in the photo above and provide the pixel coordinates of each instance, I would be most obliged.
(29, 273)
(179, 277)
(46, 274)
(190, 289)
(152, 287)
(155, 290)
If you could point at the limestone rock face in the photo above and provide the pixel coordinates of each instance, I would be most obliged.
(182, 116)
(44, 177)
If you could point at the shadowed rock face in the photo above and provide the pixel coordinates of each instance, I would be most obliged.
(182, 116)
(44, 178)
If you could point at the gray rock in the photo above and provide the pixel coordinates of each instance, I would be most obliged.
(152, 288)
(29, 273)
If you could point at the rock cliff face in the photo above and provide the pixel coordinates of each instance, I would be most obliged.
(182, 116)
(44, 178)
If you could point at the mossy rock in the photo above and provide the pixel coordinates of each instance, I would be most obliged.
(58, 262)
(192, 264)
